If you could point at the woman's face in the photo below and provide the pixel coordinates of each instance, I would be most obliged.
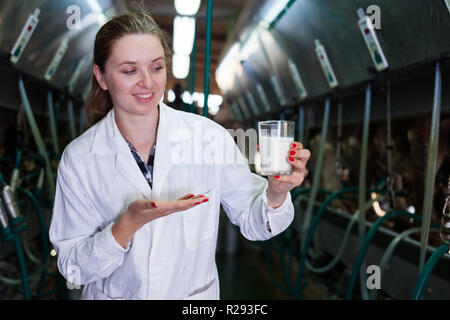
(135, 74)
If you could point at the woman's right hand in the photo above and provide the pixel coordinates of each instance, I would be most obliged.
(141, 212)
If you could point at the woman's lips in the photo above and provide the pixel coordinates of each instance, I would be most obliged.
(144, 98)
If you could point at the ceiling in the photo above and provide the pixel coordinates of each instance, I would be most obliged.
(225, 16)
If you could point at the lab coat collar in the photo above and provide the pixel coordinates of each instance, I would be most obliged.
(109, 141)
(106, 136)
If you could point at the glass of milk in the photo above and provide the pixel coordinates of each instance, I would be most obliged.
(275, 138)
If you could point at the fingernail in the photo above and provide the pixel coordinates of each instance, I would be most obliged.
(197, 203)
(205, 200)
(291, 153)
(291, 159)
(154, 205)
(190, 195)
(277, 177)
(293, 145)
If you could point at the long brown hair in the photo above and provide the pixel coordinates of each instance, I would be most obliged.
(99, 101)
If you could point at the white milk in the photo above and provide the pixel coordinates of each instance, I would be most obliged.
(274, 152)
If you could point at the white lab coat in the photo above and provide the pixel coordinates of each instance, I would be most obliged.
(172, 257)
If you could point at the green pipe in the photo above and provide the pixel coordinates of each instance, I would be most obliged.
(18, 156)
(209, 8)
(340, 251)
(317, 168)
(312, 228)
(390, 249)
(366, 242)
(52, 120)
(431, 167)
(429, 266)
(295, 194)
(192, 77)
(269, 269)
(44, 239)
(22, 267)
(27, 250)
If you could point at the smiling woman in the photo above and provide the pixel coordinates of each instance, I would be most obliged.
(139, 35)
(134, 221)
(134, 75)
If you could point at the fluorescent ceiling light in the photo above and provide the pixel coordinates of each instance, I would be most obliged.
(101, 19)
(225, 71)
(187, 7)
(180, 66)
(183, 35)
(274, 10)
(214, 101)
(170, 95)
(187, 98)
(95, 6)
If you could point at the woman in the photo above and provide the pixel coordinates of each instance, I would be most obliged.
(116, 225)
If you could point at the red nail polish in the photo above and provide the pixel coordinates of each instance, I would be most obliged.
(205, 200)
(291, 159)
(197, 203)
(190, 195)
(154, 205)
(277, 177)
(293, 145)
(291, 153)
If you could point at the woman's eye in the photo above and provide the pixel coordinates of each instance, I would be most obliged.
(158, 68)
(128, 71)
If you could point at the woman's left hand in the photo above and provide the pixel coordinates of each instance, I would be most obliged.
(279, 186)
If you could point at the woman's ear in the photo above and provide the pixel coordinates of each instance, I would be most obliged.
(99, 76)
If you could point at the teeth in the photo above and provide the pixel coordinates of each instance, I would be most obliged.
(144, 96)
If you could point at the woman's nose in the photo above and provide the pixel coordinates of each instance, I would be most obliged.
(146, 80)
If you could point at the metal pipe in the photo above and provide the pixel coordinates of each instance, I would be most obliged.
(339, 131)
(317, 169)
(209, 8)
(362, 171)
(273, 70)
(281, 14)
(301, 124)
(52, 120)
(431, 167)
(81, 120)
(37, 138)
(70, 112)
(388, 129)
(363, 161)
